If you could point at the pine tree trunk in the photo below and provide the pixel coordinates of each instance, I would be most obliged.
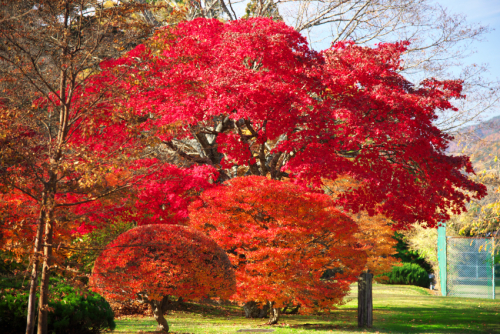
(30, 325)
(158, 308)
(365, 300)
(274, 314)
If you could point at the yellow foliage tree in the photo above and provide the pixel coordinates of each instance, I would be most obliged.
(375, 232)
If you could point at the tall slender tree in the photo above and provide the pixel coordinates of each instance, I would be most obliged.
(56, 152)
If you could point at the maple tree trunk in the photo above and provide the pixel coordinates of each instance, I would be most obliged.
(30, 325)
(365, 300)
(158, 308)
(274, 314)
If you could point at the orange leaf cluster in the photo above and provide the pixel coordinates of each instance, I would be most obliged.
(282, 238)
(153, 261)
(18, 222)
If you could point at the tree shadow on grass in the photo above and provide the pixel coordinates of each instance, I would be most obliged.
(209, 308)
(414, 320)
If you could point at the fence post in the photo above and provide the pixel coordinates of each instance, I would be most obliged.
(441, 245)
(493, 265)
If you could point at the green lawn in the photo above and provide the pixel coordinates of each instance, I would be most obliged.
(397, 309)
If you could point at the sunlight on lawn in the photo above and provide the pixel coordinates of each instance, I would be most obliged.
(397, 309)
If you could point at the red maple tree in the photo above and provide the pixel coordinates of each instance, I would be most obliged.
(152, 263)
(250, 97)
(282, 238)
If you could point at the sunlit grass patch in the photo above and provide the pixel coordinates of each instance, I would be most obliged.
(397, 309)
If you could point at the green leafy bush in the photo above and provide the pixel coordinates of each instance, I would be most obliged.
(408, 254)
(72, 311)
(407, 274)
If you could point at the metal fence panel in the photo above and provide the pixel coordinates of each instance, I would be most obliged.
(470, 267)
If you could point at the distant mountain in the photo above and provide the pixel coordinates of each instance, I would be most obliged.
(481, 142)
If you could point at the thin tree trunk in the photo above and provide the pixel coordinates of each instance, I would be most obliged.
(158, 308)
(30, 325)
(51, 188)
(365, 300)
(274, 314)
(47, 261)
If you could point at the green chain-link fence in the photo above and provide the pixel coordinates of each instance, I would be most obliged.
(470, 272)
(467, 267)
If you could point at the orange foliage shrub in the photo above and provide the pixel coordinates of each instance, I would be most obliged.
(282, 238)
(153, 262)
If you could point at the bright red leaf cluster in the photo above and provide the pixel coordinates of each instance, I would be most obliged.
(250, 97)
(161, 196)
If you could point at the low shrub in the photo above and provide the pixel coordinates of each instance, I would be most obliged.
(72, 311)
(407, 274)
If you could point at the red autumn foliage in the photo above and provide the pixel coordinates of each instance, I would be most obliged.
(252, 98)
(162, 196)
(282, 238)
(152, 263)
(243, 97)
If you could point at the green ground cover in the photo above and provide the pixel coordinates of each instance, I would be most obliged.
(397, 309)
(462, 290)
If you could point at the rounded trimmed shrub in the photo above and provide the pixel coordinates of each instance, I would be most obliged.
(72, 311)
(407, 274)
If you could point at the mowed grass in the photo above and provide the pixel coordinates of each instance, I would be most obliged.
(469, 290)
(397, 309)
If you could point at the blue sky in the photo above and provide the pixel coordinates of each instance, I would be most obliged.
(485, 12)
(487, 51)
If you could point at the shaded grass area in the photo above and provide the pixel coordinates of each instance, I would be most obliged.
(397, 309)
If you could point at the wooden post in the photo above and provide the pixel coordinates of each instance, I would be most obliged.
(365, 300)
